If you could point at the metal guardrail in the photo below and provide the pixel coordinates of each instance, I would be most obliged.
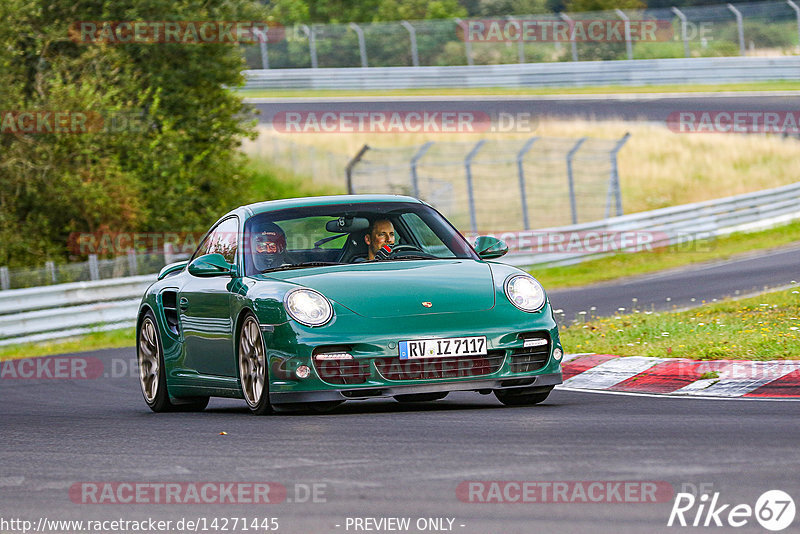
(585, 73)
(48, 312)
(63, 310)
(669, 226)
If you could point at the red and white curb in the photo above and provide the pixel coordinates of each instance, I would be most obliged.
(678, 376)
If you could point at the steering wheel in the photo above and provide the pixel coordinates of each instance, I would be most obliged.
(398, 251)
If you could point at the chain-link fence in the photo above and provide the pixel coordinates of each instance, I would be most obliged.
(756, 28)
(493, 185)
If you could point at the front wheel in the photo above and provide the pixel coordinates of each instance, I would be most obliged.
(524, 397)
(253, 374)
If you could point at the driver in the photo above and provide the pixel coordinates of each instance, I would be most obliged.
(381, 232)
(268, 245)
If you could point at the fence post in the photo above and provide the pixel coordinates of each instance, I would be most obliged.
(521, 173)
(133, 266)
(50, 267)
(684, 33)
(572, 44)
(262, 44)
(349, 169)
(797, 14)
(739, 26)
(5, 279)
(312, 44)
(94, 267)
(613, 185)
(470, 192)
(467, 42)
(571, 180)
(362, 46)
(412, 34)
(627, 21)
(414, 160)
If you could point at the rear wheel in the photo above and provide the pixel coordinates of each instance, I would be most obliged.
(153, 377)
(253, 374)
(522, 397)
(420, 397)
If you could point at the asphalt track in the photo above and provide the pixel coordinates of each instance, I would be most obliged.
(383, 459)
(639, 107)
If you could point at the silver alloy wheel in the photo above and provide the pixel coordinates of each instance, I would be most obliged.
(251, 362)
(149, 359)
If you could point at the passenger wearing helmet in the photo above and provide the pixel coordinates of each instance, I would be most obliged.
(268, 245)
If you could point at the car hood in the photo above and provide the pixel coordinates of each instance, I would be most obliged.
(397, 288)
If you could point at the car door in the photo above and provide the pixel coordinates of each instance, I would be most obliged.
(205, 308)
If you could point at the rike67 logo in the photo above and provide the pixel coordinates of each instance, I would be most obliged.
(774, 510)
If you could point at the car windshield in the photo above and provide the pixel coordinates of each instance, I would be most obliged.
(349, 233)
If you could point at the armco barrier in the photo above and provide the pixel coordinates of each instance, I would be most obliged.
(68, 309)
(677, 224)
(583, 73)
(39, 313)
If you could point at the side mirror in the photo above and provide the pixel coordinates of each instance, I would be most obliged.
(210, 265)
(489, 247)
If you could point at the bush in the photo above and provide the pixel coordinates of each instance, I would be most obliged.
(177, 172)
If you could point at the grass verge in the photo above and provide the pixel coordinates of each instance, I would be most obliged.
(766, 327)
(780, 85)
(632, 264)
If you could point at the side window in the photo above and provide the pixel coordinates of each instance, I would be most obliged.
(221, 241)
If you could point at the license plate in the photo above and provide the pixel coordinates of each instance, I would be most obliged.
(440, 347)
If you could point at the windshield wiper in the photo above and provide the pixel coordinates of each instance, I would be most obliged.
(303, 265)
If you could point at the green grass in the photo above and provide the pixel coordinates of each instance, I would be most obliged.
(766, 327)
(632, 264)
(478, 91)
(111, 339)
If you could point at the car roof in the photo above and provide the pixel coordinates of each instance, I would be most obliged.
(272, 205)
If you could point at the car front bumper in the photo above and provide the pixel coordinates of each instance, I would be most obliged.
(543, 381)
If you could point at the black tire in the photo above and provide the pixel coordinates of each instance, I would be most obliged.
(522, 397)
(251, 355)
(153, 382)
(420, 397)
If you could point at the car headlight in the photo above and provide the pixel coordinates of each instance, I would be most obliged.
(525, 293)
(308, 307)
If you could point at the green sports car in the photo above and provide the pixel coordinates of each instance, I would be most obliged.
(306, 303)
